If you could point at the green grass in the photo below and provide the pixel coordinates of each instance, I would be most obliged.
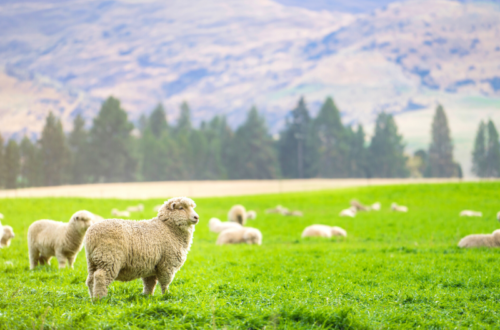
(394, 271)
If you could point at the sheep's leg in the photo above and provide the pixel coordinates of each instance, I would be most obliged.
(149, 285)
(71, 261)
(44, 260)
(90, 283)
(102, 278)
(166, 277)
(34, 255)
(61, 258)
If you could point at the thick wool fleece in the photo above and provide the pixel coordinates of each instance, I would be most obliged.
(48, 238)
(323, 231)
(153, 250)
(8, 234)
(237, 214)
(240, 235)
(481, 240)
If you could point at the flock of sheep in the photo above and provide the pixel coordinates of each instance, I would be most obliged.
(154, 250)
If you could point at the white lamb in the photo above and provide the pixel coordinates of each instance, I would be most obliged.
(217, 226)
(323, 231)
(469, 213)
(251, 215)
(137, 208)
(118, 213)
(240, 235)
(376, 206)
(153, 250)
(398, 208)
(48, 238)
(350, 212)
(238, 214)
(481, 240)
(277, 209)
(8, 234)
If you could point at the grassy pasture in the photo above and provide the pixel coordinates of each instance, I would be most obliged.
(394, 271)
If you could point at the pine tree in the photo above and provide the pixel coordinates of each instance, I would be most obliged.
(54, 152)
(78, 144)
(479, 152)
(357, 158)
(333, 142)
(253, 155)
(211, 156)
(493, 152)
(386, 150)
(184, 137)
(157, 122)
(298, 154)
(2, 162)
(12, 164)
(441, 149)
(110, 144)
(30, 169)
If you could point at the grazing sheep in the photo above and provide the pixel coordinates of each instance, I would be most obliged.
(292, 213)
(138, 208)
(481, 240)
(358, 206)
(237, 214)
(277, 209)
(153, 250)
(218, 226)
(323, 231)
(251, 215)
(350, 212)
(48, 238)
(376, 206)
(398, 208)
(469, 213)
(8, 234)
(117, 213)
(240, 235)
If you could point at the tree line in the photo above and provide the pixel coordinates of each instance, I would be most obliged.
(113, 149)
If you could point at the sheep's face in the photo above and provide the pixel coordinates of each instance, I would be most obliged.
(8, 234)
(82, 220)
(179, 210)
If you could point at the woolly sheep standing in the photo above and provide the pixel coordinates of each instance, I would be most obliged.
(481, 240)
(350, 212)
(398, 208)
(153, 250)
(240, 235)
(48, 238)
(8, 234)
(323, 231)
(469, 213)
(217, 226)
(237, 214)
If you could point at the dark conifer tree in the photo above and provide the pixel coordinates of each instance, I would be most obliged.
(79, 146)
(2, 162)
(30, 169)
(479, 152)
(493, 152)
(357, 161)
(110, 141)
(441, 149)
(12, 164)
(386, 151)
(54, 152)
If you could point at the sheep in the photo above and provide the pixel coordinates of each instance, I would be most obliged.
(48, 238)
(277, 209)
(323, 231)
(292, 213)
(138, 208)
(154, 250)
(240, 235)
(398, 208)
(251, 215)
(237, 214)
(358, 206)
(8, 234)
(218, 226)
(1, 216)
(498, 216)
(350, 212)
(1, 229)
(481, 240)
(376, 206)
(469, 213)
(117, 213)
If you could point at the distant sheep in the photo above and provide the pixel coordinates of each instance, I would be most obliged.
(240, 235)
(469, 213)
(398, 208)
(153, 250)
(292, 213)
(251, 215)
(137, 208)
(481, 240)
(350, 212)
(277, 209)
(498, 216)
(323, 231)
(237, 214)
(1, 216)
(118, 213)
(376, 206)
(217, 226)
(358, 206)
(8, 234)
(48, 238)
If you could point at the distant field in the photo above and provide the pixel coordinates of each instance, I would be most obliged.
(394, 271)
